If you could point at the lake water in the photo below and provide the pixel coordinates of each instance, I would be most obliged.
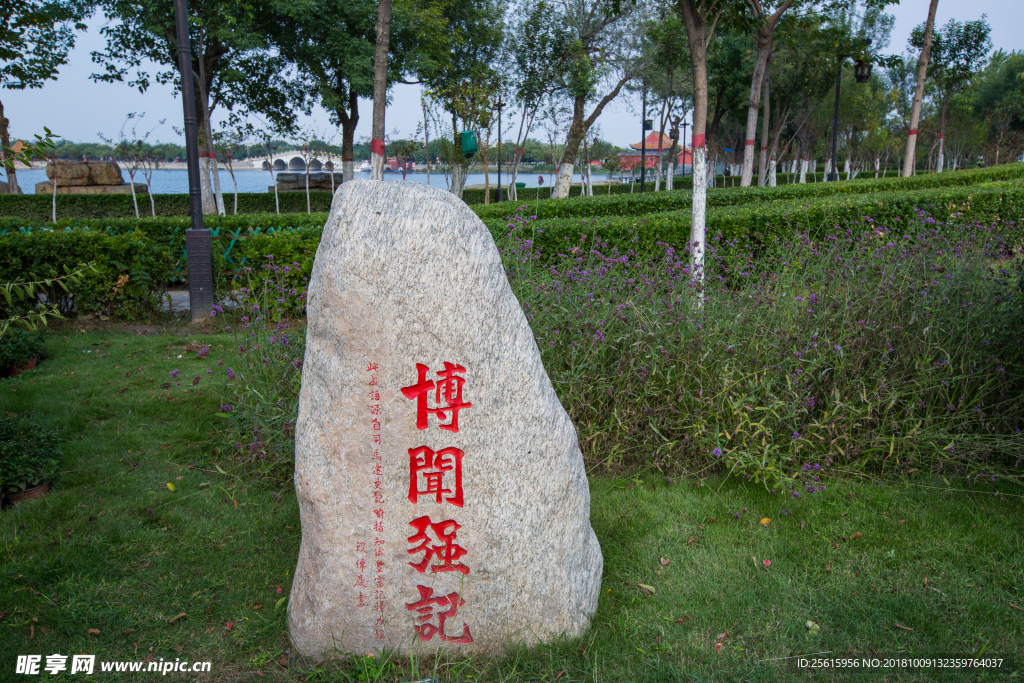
(173, 181)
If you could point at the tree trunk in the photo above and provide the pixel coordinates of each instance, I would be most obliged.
(577, 130)
(54, 197)
(131, 186)
(922, 71)
(696, 29)
(942, 139)
(426, 138)
(5, 141)
(762, 178)
(670, 176)
(380, 89)
(763, 45)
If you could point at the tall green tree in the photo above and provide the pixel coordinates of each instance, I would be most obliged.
(231, 67)
(35, 39)
(999, 97)
(604, 55)
(332, 43)
(959, 51)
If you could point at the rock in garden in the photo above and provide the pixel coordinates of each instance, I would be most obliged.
(78, 173)
(441, 488)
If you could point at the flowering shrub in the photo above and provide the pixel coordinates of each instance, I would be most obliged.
(260, 393)
(894, 349)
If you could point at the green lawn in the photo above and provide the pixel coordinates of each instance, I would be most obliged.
(882, 569)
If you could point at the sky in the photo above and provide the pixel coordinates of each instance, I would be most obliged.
(79, 109)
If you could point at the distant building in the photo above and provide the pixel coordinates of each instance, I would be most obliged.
(631, 160)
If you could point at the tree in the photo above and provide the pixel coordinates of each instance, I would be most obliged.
(958, 51)
(604, 50)
(999, 96)
(35, 39)
(701, 18)
(535, 48)
(380, 88)
(766, 24)
(131, 151)
(457, 76)
(922, 70)
(230, 65)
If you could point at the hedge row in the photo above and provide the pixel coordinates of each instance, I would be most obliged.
(668, 201)
(134, 267)
(766, 222)
(38, 208)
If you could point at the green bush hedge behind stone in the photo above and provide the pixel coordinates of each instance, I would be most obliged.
(138, 259)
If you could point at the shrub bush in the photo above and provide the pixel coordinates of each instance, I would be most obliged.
(130, 272)
(29, 455)
(761, 225)
(892, 350)
(18, 347)
(633, 205)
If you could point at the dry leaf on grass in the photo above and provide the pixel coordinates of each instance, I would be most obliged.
(693, 539)
(665, 562)
(856, 535)
(684, 619)
(905, 628)
(646, 589)
(93, 632)
(174, 619)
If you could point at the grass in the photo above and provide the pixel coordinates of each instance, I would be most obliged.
(112, 548)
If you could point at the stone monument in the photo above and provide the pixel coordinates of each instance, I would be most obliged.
(441, 488)
(296, 182)
(87, 177)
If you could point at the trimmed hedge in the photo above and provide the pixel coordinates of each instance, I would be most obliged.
(678, 199)
(762, 223)
(130, 270)
(34, 207)
(135, 266)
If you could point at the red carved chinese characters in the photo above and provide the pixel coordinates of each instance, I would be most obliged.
(432, 467)
(447, 394)
(436, 477)
(377, 473)
(424, 609)
(447, 553)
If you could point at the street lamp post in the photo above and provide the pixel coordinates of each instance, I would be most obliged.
(862, 73)
(197, 239)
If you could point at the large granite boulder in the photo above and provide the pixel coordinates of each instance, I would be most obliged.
(441, 488)
(124, 188)
(78, 173)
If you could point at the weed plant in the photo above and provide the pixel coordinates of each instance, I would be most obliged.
(260, 394)
(892, 351)
(871, 350)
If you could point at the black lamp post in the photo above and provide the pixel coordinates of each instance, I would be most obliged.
(862, 73)
(197, 239)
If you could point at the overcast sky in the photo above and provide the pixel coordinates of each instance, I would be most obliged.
(78, 109)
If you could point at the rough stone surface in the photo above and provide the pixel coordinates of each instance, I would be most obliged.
(126, 188)
(407, 274)
(79, 173)
(318, 180)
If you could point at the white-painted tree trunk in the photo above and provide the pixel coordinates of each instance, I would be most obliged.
(942, 154)
(217, 194)
(209, 201)
(772, 178)
(131, 183)
(878, 165)
(846, 167)
(669, 177)
(458, 180)
(563, 181)
(698, 215)
(377, 168)
(347, 170)
(803, 171)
